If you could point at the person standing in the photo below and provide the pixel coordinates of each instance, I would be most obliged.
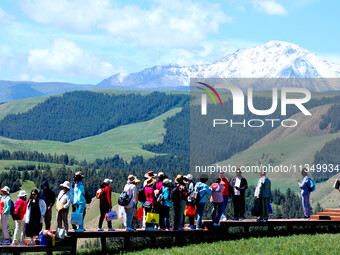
(188, 179)
(203, 190)
(305, 193)
(131, 190)
(179, 198)
(63, 204)
(150, 201)
(79, 200)
(36, 209)
(5, 210)
(337, 185)
(237, 190)
(225, 183)
(263, 193)
(217, 199)
(164, 210)
(20, 207)
(105, 204)
(49, 197)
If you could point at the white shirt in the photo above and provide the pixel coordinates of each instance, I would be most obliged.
(237, 184)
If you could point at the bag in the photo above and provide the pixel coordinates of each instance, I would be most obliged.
(192, 198)
(43, 240)
(190, 211)
(270, 208)
(87, 198)
(135, 215)
(76, 218)
(99, 193)
(256, 211)
(60, 233)
(111, 215)
(60, 206)
(141, 195)
(123, 199)
(161, 199)
(12, 208)
(140, 214)
(152, 218)
(311, 186)
(15, 216)
(147, 205)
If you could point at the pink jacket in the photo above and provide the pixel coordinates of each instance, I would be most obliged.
(150, 195)
(216, 193)
(20, 207)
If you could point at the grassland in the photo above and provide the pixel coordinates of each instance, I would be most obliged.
(124, 140)
(292, 245)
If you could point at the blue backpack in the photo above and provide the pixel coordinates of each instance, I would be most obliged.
(311, 185)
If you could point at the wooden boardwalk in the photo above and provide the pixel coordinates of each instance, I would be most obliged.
(227, 230)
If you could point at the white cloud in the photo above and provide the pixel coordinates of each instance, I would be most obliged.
(269, 7)
(65, 58)
(175, 23)
(5, 18)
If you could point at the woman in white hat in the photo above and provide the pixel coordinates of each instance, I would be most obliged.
(63, 204)
(5, 210)
(20, 207)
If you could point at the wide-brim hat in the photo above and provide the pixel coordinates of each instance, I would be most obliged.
(150, 174)
(133, 178)
(66, 184)
(150, 181)
(6, 189)
(22, 193)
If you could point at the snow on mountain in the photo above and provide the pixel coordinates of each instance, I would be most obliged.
(274, 59)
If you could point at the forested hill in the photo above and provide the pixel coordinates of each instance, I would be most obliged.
(80, 114)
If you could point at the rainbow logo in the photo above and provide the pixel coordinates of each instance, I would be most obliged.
(209, 93)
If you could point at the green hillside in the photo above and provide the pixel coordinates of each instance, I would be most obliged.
(125, 140)
(20, 106)
(8, 164)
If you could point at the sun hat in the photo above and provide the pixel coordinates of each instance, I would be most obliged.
(22, 193)
(66, 184)
(150, 174)
(6, 189)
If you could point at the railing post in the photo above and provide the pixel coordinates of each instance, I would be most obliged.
(103, 243)
(74, 246)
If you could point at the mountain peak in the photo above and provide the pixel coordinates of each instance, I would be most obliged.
(274, 59)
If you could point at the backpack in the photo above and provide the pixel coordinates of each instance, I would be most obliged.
(12, 209)
(141, 194)
(99, 193)
(196, 196)
(87, 198)
(160, 198)
(123, 199)
(311, 185)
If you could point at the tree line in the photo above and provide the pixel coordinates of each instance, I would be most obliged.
(79, 114)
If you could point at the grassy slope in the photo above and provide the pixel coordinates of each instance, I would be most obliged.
(295, 244)
(20, 106)
(5, 164)
(284, 147)
(124, 140)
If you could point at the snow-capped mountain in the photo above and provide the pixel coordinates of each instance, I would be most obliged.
(274, 59)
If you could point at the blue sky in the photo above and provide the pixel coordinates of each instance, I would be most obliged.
(85, 41)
